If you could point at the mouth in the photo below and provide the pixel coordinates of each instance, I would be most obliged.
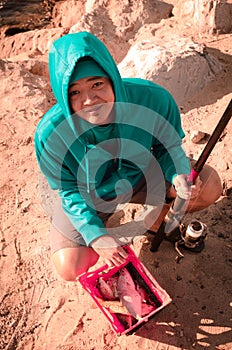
(97, 114)
(93, 110)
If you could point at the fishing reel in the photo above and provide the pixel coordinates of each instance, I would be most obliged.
(191, 237)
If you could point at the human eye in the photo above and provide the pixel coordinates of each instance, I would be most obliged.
(73, 93)
(98, 84)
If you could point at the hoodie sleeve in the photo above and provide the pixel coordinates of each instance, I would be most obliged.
(83, 217)
(165, 125)
(80, 211)
(172, 160)
(168, 148)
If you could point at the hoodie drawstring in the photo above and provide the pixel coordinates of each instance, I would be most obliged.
(87, 171)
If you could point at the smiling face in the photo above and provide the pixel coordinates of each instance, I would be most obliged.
(92, 99)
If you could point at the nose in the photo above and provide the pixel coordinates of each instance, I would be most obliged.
(87, 98)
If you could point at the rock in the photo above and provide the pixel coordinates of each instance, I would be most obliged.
(30, 98)
(22, 16)
(205, 16)
(196, 136)
(36, 66)
(39, 40)
(222, 165)
(117, 22)
(126, 14)
(66, 13)
(181, 66)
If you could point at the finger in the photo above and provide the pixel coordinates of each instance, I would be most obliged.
(117, 259)
(108, 262)
(122, 253)
(184, 193)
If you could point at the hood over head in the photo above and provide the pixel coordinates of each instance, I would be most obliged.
(85, 68)
(64, 57)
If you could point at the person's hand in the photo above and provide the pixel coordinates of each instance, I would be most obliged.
(183, 189)
(109, 250)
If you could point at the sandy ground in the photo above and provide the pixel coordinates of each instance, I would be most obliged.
(40, 311)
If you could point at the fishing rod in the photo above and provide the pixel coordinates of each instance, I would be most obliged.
(173, 217)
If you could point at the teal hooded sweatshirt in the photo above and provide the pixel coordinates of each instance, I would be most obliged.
(91, 165)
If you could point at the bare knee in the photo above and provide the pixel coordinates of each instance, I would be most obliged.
(66, 271)
(72, 262)
(211, 184)
(211, 189)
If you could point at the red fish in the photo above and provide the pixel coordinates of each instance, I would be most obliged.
(147, 309)
(128, 294)
(113, 282)
(126, 320)
(114, 306)
(147, 305)
(106, 290)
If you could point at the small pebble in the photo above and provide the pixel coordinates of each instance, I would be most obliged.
(221, 235)
(197, 136)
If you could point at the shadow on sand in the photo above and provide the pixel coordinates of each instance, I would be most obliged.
(200, 285)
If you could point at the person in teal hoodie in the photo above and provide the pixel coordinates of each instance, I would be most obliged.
(108, 141)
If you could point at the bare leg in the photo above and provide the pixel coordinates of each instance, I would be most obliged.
(72, 262)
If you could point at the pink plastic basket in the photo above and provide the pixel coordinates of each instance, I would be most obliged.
(138, 271)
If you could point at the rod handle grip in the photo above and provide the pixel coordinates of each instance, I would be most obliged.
(192, 176)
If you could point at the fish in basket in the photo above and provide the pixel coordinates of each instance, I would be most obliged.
(128, 295)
